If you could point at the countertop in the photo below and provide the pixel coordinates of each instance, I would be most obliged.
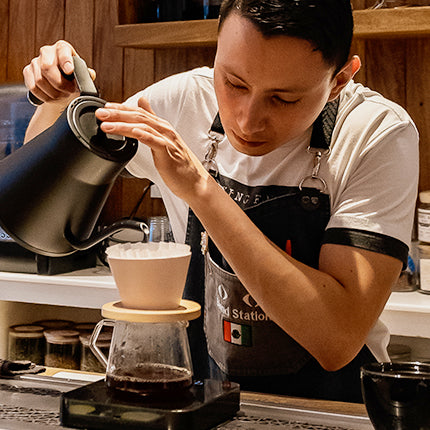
(33, 402)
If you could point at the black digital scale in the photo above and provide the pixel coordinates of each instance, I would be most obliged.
(203, 406)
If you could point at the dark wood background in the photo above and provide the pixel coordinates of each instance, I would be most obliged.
(398, 68)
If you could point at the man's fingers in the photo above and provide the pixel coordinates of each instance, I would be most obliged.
(144, 104)
(92, 73)
(65, 52)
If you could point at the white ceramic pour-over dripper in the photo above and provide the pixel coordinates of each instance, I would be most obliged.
(150, 275)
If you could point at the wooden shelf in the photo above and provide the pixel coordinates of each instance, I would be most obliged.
(389, 23)
(167, 34)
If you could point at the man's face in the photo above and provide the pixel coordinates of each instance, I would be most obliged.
(269, 90)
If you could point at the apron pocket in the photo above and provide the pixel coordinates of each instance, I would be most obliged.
(241, 338)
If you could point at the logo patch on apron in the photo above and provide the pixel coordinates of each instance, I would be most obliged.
(239, 334)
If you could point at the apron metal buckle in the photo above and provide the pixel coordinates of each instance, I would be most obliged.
(211, 166)
(204, 242)
(318, 154)
(209, 162)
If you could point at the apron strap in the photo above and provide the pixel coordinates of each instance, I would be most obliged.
(319, 145)
(216, 126)
(324, 125)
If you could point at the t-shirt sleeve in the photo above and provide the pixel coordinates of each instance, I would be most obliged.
(375, 204)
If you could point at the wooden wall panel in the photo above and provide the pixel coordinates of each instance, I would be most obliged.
(385, 64)
(49, 25)
(176, 60)
(22, 32)
(139, 70)
(131, 11)
(169, 61)
(197, 57)
(79, 27)
(418, 100)
(108, 59)
(4, 37)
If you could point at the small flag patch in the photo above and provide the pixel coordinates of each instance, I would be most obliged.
(238, 334)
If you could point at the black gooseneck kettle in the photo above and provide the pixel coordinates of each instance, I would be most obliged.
(53, 188)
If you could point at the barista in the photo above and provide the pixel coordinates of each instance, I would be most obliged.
(304, 201)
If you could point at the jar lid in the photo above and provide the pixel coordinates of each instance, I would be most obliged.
(26, 330)
(55, 324)
(84, 327)
(61, 336)
(425, 196)
(188, 310)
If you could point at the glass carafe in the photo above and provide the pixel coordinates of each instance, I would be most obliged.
(147, 357)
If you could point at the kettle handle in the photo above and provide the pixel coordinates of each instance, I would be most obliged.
(94, 337)
(117, 226)
(83, 79)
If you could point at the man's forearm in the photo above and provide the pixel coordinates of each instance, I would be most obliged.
(45, 116)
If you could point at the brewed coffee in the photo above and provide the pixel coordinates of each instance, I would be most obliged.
(150, 378)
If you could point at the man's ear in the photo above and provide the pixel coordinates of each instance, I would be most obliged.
(344, 76)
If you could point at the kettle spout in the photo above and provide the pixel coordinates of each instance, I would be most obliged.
(107, 231)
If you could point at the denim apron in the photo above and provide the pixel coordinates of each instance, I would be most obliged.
(236, 337)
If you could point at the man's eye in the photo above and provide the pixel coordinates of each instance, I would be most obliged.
(235, 86)
(284, 102)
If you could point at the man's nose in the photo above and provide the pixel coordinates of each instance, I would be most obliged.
(251, 118)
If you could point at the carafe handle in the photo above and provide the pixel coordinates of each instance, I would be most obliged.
(94, 337)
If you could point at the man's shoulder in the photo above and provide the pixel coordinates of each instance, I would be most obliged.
(175, 87)
(369, 104)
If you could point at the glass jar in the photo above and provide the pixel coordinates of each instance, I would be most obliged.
(89, 362)
(423, 220)
(160, 229)
(26, 342)
(408, 279)
(62, 349)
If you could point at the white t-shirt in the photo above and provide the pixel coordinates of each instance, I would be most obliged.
(371, 171)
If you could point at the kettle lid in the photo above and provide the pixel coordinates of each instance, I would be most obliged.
(86, 127)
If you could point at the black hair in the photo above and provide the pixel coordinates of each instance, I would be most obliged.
(326, 24)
